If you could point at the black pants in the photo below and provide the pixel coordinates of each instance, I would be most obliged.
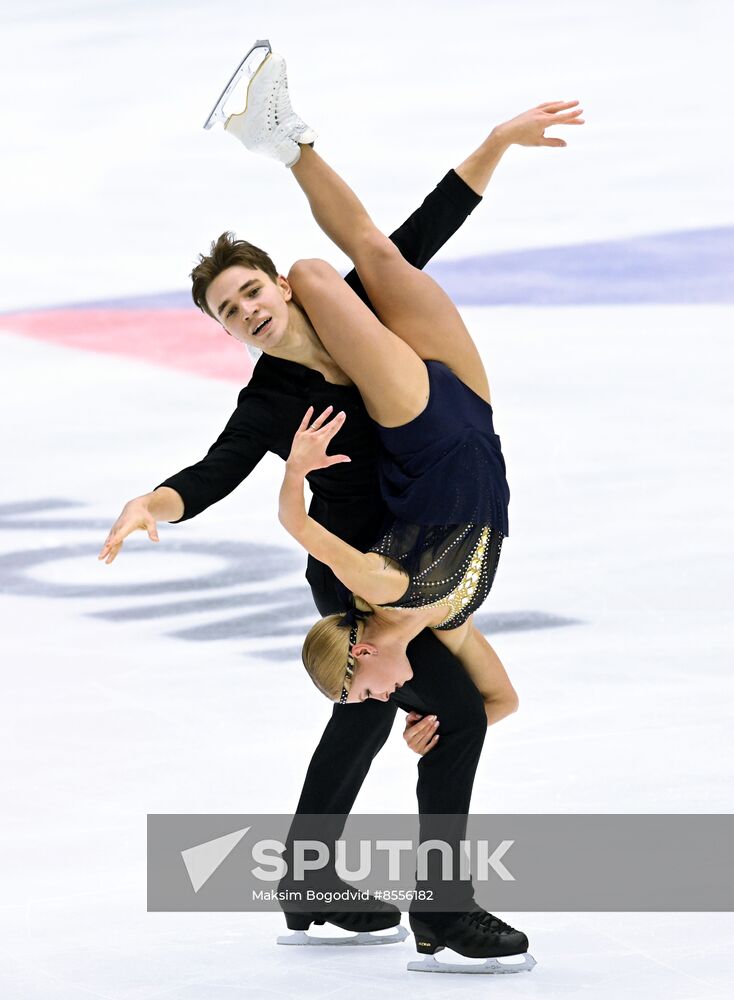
(356, 733)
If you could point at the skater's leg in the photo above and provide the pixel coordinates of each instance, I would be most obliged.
(444, 689)
(353, 737)
(451, 918)
(444, 210)
(440, 686)
(440, 215)
(410, 303)
(391, 378)
(338, 767)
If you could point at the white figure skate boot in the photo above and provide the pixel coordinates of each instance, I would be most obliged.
(268, 125)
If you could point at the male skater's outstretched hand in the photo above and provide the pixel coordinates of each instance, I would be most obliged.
(142, 514)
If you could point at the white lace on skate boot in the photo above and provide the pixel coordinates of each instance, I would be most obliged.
(269, 125)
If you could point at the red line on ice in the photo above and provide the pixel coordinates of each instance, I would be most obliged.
(173, 338)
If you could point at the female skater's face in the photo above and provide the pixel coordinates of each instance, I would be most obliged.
(243, 299)
(378, 672)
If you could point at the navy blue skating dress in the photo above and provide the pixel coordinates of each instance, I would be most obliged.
(443, 479)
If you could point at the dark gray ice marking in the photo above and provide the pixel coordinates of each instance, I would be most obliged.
(15, 516)
(491, 623)
(145, 612)
(278, 620)
(244, 562)
(268, 612)
(520, 621)
(26, 507)
(287, 654)
(65, 524)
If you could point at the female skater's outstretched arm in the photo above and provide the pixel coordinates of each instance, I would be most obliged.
(361, 572)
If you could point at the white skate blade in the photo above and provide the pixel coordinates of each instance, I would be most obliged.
(489, 967)
(232, 94)
(362, 938)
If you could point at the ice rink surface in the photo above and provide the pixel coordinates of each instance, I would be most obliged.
(597, 281)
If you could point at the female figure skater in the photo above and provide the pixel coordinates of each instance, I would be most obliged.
(423, 383)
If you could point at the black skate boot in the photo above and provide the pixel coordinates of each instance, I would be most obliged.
(474, 934)
(372, 915)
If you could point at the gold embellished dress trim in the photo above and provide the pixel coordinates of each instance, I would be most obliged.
(462, 595)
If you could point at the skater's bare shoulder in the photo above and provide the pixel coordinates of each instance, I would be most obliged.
(384, 580)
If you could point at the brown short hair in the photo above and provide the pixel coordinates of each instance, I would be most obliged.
(226, 251)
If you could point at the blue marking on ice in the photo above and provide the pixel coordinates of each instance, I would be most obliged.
(685, 267)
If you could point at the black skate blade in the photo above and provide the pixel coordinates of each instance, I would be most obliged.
(233, 98)
(488, 967)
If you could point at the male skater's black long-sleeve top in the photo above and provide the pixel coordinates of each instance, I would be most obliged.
(346, 498)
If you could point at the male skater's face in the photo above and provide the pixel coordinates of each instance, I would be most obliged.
(251, 307)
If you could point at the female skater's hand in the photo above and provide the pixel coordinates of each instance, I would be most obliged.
(308, 451)
(527, 129)
(421, 736)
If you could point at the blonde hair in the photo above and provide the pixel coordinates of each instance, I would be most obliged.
(325, 651)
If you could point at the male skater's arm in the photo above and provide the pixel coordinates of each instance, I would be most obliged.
(231, 458)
